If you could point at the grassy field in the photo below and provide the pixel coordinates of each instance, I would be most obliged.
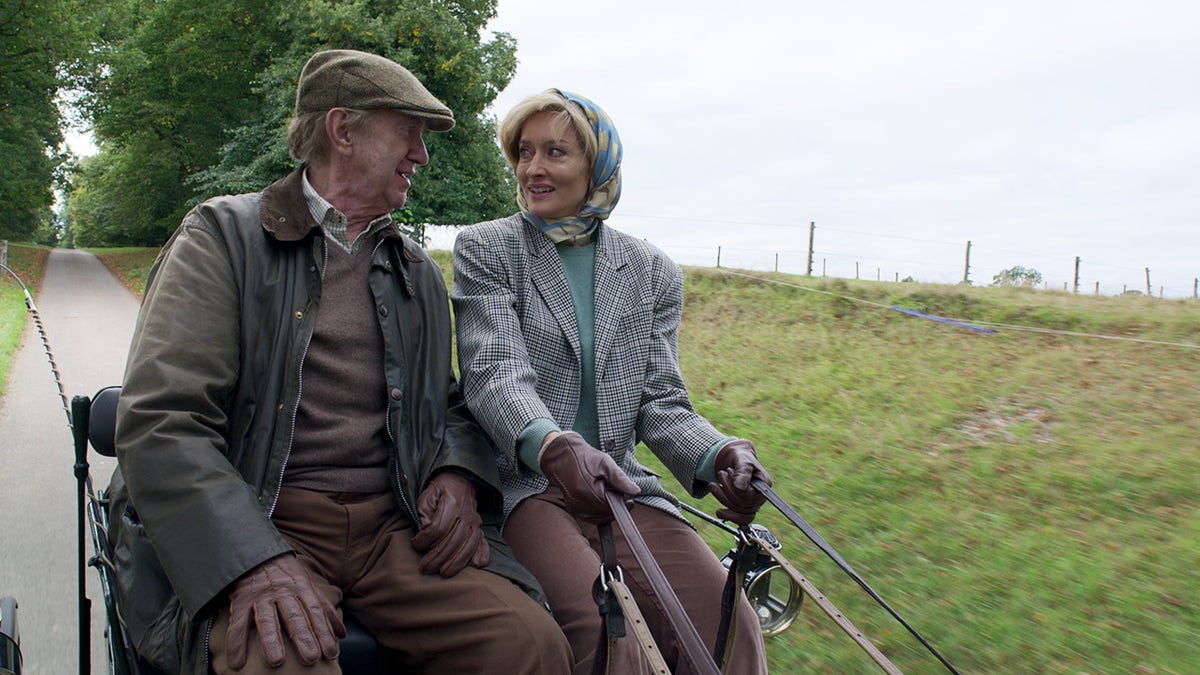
(1028, 500)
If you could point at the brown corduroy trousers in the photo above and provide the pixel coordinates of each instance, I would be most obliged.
(360, 556)
(564, 554)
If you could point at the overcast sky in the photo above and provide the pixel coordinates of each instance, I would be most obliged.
(1037, 130)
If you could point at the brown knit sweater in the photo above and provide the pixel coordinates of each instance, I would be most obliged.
(341, 440)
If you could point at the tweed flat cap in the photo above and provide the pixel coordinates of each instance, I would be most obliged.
(344, 78)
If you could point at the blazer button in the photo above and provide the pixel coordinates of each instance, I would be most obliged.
(396, 394)
(610, 445)
(382, 311)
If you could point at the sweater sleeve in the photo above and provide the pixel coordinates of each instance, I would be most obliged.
(529, 441)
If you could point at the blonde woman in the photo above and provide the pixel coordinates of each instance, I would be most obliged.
(567, 338)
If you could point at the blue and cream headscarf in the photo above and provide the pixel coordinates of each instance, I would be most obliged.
(604, 189)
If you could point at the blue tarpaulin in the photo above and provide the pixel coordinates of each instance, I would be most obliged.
(943, 319)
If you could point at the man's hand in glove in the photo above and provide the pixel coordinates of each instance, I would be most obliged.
(736, 465)
(280, 598)
(451, 534)
(584, 474)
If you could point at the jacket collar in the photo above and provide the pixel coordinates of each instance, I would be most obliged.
(285, 215)
(607, 248)
(284, 212)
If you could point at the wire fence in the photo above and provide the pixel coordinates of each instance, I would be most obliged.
(849, 254)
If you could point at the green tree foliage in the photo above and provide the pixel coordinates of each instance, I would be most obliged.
(113, 193)
(175, 75)
(199, 93)
(41, 42)
(1017, 276)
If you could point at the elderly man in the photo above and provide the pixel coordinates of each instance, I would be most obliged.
(290, 437)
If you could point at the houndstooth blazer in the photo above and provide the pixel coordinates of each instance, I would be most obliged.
(519, 354)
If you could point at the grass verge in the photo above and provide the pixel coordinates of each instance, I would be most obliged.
(27, 262)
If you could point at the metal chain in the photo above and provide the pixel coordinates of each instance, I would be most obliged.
(37, 320)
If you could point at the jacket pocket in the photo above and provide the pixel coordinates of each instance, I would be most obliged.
(161, 643)
(153, 617)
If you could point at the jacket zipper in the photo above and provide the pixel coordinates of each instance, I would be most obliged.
(408, 508)
(299, 392)
(208, 626)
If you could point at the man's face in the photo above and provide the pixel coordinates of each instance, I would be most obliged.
(388, 150)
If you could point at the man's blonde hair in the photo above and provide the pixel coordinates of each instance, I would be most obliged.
(306, 137)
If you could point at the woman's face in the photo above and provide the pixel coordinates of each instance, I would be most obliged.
(552, 168)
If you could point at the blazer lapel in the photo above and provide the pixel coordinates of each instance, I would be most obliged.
(551, 282)
(611, 297)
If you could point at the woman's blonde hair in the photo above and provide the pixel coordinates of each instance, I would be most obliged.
(306, 137)
(566, 114)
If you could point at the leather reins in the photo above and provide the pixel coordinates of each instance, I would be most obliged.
(817, 539)
(691, 646)
(618, 607)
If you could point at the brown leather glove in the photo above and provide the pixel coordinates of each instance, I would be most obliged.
(584, 474)
(736, 465)
(280, 588)
(451, 533)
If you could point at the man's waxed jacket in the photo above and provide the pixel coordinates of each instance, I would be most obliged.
(207, 412)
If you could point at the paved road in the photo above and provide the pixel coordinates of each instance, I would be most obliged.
(88, 318)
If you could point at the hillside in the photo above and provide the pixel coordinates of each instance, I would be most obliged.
(1027, 500)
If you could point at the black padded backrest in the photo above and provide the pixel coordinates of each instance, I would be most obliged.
(102, 421)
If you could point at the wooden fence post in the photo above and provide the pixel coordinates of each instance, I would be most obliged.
(812, 228)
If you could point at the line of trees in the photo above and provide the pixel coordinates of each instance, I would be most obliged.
(43, 45)
(190, 98)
